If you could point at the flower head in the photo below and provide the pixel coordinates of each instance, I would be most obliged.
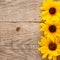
(51, 29)
(51, 10)
(50, 48)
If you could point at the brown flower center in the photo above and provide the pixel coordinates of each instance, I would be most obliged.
(52, 28)
(52, 10)
(52, 46)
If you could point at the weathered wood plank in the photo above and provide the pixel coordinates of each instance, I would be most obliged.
(26, 57)
(20, 10)
(19, 29)
(27, 32)
(21, 44)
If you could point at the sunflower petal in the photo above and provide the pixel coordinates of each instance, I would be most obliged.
(54, 58)
(49, 57)
(43, 13)
(45, 55)
(55, 53)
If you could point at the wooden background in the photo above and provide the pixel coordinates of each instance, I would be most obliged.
(19, 29)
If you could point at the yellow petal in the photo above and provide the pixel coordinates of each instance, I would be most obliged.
(58, 45)
(54, 58)
(43, 13)
(55, 53)
(49, 57)
(45, 55)
(42, 8)
(42, 49)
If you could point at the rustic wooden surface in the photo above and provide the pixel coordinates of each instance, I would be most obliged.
(19, 29)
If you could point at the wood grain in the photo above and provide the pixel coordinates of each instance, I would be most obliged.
(22, 43)
(19, 29)
(20, 10)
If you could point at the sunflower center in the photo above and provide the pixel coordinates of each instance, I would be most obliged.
(52, 10)
(52, 46)
(52, 28)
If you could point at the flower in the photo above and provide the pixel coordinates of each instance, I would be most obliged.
(51, 10)
(51, 29)
(50, 48)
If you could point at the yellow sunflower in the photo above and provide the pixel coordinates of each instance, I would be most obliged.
(51, 10)
(49, 48)
(51, 29)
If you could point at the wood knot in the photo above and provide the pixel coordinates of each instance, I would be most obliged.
(18, 29)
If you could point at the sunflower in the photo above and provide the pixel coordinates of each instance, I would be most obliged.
(49, 48)
(51, 9)
(51, 29)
